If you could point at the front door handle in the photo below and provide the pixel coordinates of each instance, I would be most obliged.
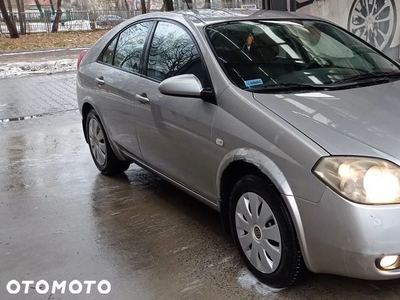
(142, 98)
(100, 81)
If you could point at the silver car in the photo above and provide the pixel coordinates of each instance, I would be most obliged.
(289, 126)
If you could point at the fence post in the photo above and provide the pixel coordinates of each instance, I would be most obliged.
(91, 20)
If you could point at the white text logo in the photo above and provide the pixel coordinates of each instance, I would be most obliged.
(74, 287)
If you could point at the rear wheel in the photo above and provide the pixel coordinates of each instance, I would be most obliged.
(264, 233)
(102, 153)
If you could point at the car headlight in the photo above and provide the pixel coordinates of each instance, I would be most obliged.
(361, 179)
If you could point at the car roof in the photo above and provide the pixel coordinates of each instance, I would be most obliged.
(209, 16)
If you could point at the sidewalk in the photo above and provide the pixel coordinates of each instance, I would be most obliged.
(23, 63)
(23, 96)
(34, 96)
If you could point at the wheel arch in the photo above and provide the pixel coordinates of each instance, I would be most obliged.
(89, 105)
(242, 162)
(86, 108)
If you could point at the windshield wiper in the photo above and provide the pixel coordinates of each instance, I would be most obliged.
(288, 87)
(374, 77)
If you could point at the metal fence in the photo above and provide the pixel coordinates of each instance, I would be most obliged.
(35, 22)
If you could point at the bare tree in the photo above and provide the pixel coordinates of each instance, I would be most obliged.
(57, 18)
(10, 24)
(189, 4)
(39, 7)
(143, 6)
(167, 5)
(52, 7)
(10, 11)
(10, 8)
(21, 16)
(128, 8)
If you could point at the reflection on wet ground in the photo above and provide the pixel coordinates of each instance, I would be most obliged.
(61, 220)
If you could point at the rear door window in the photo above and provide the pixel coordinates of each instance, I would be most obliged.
(108, 53)
(126, 51)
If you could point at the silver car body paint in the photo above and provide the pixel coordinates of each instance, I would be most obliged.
(188, 83)
(369, 115)
(283, 135)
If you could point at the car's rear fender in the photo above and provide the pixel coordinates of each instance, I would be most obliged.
(87, 105)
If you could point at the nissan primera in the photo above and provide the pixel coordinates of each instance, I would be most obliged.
(288, 125)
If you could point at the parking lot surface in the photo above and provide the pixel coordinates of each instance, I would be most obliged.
(39, 55)
(60, 220)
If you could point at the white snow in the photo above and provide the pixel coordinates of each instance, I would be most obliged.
(20, 69)
(75, 25)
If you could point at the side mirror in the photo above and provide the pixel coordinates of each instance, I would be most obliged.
(186, 85)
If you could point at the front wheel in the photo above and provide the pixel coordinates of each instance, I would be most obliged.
(264, 233)
(102, 153)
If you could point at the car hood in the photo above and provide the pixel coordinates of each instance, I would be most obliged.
(336, 119)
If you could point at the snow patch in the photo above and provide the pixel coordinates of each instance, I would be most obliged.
(20, 69)
(249, 282)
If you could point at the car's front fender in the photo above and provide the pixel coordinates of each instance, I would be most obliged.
(276, 176)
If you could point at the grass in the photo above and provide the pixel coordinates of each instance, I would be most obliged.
(50, 40)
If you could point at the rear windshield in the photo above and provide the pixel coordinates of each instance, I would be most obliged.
(276, 52)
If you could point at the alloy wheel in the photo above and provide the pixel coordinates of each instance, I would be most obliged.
(374, 21)
(97, 142)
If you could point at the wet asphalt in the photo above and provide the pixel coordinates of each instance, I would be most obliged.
(62, 220)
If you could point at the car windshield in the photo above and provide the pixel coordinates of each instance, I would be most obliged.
(257, 55)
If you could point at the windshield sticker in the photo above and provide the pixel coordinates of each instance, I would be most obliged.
(253, 82)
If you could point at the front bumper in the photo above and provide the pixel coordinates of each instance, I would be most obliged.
(346, 238)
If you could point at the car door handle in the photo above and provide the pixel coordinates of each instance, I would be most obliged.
(142, 98)
(100, 81)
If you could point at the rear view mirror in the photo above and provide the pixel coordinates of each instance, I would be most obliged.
(186, 85)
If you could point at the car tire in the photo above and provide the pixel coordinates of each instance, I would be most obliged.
(103, 155)
(264, 233)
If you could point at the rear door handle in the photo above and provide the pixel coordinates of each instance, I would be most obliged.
(100, 81)
(142, 98)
